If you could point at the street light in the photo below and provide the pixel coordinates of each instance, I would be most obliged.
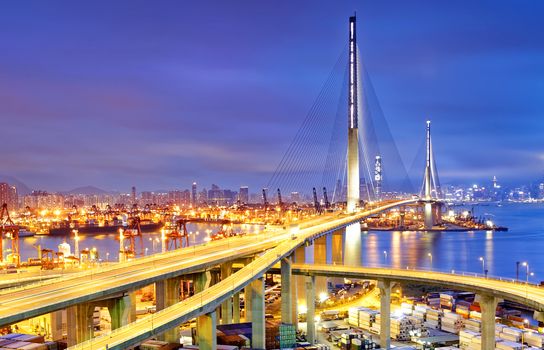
(526, 264)
(385, 256)
(483, 266)
(431, 257)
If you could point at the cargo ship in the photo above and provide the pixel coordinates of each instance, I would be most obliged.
(65, 228)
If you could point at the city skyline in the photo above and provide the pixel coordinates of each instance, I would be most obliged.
(124, 99)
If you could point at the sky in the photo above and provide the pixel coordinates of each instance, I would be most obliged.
(159, 94)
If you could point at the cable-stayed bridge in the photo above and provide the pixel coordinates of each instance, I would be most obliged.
(357, 165)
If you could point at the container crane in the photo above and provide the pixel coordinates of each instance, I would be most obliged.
(265, 200)
(326, 198)
(9, 230)
(317, 206)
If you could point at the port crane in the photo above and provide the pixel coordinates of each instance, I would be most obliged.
(317, 205)
(132, 233)
(178, 237)
(9, 230)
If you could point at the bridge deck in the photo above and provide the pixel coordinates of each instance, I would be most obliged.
(526, 294)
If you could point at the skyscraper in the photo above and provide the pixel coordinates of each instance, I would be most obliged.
(244, 195)
(8, 195)
(194, 199)
(133, 195)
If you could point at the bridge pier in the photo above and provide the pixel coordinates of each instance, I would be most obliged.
(56, 324)
(205, 323)
(385, 313)
(428, 218)
(257, 315)
(206, 326)
(310, 309)
(488, 303)
(122, 310)
(226, 306)
(167, 294)
(337, 247)
(320, 257)
(353, 253)
(80, 320)
(248, 301)
(236, 308)
(288, 313)
(335, 252)
(299, 286)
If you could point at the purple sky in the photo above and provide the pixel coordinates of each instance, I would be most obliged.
(160, 93)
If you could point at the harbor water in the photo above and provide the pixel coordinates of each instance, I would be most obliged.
(444, 251)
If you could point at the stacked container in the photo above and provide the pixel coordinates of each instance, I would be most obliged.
(508, 345)
(406, 308)
(433, 318)
(420, 311)
(511, 334)
(472, 325)
(451, 322)
(534, 339)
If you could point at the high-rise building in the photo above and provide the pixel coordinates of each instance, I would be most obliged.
(202, 197)
(244, 195)
(147, 197)
(8, 195)
(194, 199)
(133, 195)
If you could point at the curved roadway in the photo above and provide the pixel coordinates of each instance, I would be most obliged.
(526, 294)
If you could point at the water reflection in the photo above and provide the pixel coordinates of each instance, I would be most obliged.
(459, 251)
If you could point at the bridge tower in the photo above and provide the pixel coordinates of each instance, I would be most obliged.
(353, 191)
(431, 207)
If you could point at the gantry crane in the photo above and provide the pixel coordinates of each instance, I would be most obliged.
(9, 230)
(178, 237)
(131, 233)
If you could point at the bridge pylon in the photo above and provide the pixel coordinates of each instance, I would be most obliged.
(431, 189)
(353, 179)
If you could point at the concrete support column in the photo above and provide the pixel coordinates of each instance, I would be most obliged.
(385, 313)
(167, 294)
(286, 291)
(226, 306)
(207, 331)
(353, 253)
(320, 257)
(122, 310)
(310, 306)
(80, 323)
(299, 258)
(428, 218)
(335, 250)
(56, 324)
(236, 308)
(488, 303)
(337, 241)
(354, 186)
(201, 281)
(257, 314)
(248, 310)
(248, 303)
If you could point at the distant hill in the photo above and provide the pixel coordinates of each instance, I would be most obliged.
(86, 190)
(22, 188)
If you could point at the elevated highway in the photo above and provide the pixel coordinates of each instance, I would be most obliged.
(33, 300)
(526, 294)
(211, 298)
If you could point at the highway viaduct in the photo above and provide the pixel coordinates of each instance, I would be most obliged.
(166, 269)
